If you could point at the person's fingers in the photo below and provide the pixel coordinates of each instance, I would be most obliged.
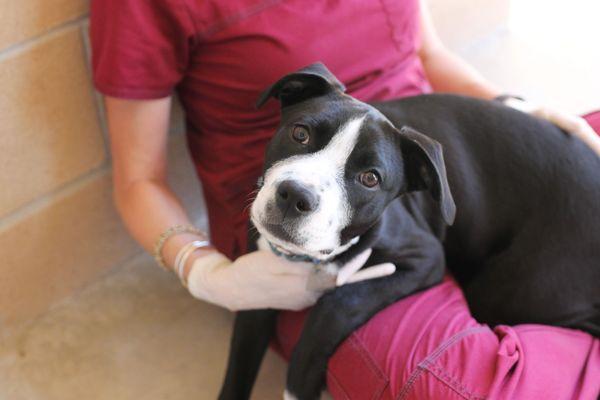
(280, 266)
(567, 122)
(586, 133)
(352, 266)
(320, 280)
(295, 293)
(309, 301)
(301, 269)
(290, 293)
(593, 141)
(576, 126)
(376, 271)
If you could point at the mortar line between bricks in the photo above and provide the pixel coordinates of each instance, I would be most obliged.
(43, 200)
(97, 96)
(11, 50)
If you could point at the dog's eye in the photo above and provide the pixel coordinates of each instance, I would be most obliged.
(300, 134)
(369, 179)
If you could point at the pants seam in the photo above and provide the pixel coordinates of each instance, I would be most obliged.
(382, 380)
(338, 385)
(366, 356)
(452, 382)
(422, 366)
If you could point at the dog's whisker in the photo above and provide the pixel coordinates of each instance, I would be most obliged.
(250, 199)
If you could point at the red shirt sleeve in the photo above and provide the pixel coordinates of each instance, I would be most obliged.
(140, 48)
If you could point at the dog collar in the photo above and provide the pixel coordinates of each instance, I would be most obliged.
(296, 257)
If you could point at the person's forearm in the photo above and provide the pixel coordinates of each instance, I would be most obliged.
(148, 208)
(139, 138)
(447, 72)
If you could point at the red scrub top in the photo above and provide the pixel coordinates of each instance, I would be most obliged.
(219, 55)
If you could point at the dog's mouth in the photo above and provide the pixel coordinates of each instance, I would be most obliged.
(323, 256)
(283, 244)
(296, 252)
(288, 251)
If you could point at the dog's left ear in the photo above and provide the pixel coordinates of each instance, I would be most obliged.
(311, 81)
(425, 169)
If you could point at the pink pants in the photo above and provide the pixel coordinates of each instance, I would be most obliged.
(428, 346)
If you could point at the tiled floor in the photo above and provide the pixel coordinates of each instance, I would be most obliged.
(137, 334)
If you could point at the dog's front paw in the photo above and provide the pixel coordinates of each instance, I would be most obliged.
(288, 396)
(302, 393)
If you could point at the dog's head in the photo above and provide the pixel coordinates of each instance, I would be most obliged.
(333, 166)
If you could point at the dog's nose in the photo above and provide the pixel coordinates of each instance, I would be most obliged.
(295, 200)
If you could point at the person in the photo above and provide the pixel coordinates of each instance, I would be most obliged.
(217, 56)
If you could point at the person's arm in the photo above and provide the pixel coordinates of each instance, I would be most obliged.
(138, 135)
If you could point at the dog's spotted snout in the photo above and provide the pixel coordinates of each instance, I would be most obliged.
(295, 200)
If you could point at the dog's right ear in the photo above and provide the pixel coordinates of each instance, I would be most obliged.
(425, 169)
(312, 81)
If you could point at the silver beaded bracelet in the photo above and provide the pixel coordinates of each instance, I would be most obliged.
(172, 231)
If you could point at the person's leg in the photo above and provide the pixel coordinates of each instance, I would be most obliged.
(429, 346)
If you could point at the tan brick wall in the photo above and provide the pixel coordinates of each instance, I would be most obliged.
(52, 131)
(24, 19)
(58, 226)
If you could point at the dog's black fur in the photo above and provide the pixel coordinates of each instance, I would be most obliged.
(525, 244)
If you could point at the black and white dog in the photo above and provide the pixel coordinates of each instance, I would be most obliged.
(341, 176)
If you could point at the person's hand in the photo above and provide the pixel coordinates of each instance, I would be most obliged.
(262, 279)
(572, 124)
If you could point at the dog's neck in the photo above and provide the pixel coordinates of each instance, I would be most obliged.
(297, 257)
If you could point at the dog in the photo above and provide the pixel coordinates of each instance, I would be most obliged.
(508, 202)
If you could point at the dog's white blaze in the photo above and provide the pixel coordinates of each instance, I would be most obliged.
(342, 143)
(322, 172)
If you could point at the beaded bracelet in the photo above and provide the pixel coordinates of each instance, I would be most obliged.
(174, 230)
